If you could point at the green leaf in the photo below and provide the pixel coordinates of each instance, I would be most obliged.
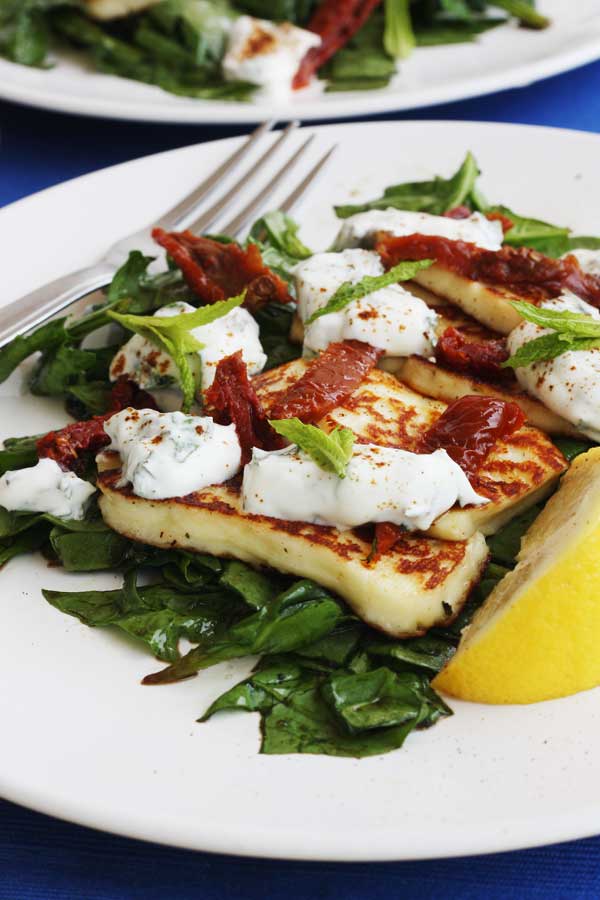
(255, 588)
(297, 617)
(571, 331)
(274, 322)
(436, 196)
(280, 10)
(335, 648)
(571, 447)
(172, 335)
(528, 232)
(130, 279)
(363, 63)
(88, 551)
(278, 230)
(27, 541)
(506, 543)
(547, 346)
(524, 11)
(380, 699)
(349, 291)
(18, 453)
(171, 61)
(90, 398)
(158, 615)
(562, 321)
(66, 366)
(332, 452)
(398, 38)
(307, 711)
(455, 31)
(49, 335)
(424, 653)
(199, 25)
(81, 546)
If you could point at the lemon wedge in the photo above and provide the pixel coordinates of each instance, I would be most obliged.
(537, 636)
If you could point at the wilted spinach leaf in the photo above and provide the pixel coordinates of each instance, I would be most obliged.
(339, 714)
(436, 196)
(299, 616)
(158, 615)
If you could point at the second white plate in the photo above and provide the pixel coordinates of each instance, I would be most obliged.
(505, 57)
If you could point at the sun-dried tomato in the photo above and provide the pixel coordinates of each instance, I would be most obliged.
(463, 212)
(68, 445)
(231, 398)
(335, 21)
(216, 271)
(481, 358)
(386, 537)
(471, 427)
(506, 223)
(327, 382)
(458, 212)
(126, 393)
(521, 270)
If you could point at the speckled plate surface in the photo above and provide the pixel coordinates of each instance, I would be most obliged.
(83, 740)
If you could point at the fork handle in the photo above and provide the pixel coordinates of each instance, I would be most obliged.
(31, 310)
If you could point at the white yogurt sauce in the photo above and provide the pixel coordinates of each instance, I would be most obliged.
(172, 454)
(391, 318)
(361, 228)
(46, 488)
(266, 53)
(382, 484)
(569, 385)
(150, 368)
(589, 260)
(317, 278)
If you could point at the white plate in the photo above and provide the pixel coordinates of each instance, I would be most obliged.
(504, 57)
(83, 740)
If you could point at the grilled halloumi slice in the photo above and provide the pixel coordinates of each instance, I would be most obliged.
(116, 9)
(518, 472)
(441, 383)
(420, 583)
(488, 304)
(423, 581)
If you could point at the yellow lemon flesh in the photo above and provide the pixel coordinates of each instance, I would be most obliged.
(537, 636)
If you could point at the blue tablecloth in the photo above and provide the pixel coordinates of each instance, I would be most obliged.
(42, 859)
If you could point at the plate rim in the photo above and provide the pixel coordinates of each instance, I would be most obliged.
(292, 845)
(347, 106)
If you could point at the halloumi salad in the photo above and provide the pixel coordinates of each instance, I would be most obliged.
(245, 49)
(372, 467)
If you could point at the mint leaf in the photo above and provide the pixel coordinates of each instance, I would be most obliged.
(548, 346)
(564, 322)
(332, 452)
(348, 292)
(436, 196)
(570, 331)
(172, 335)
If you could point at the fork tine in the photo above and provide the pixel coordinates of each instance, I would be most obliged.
(206, 219)
(253, 207)
(175, 216)
(307, 182)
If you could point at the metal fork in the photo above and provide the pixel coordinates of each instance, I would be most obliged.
(35, 308)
